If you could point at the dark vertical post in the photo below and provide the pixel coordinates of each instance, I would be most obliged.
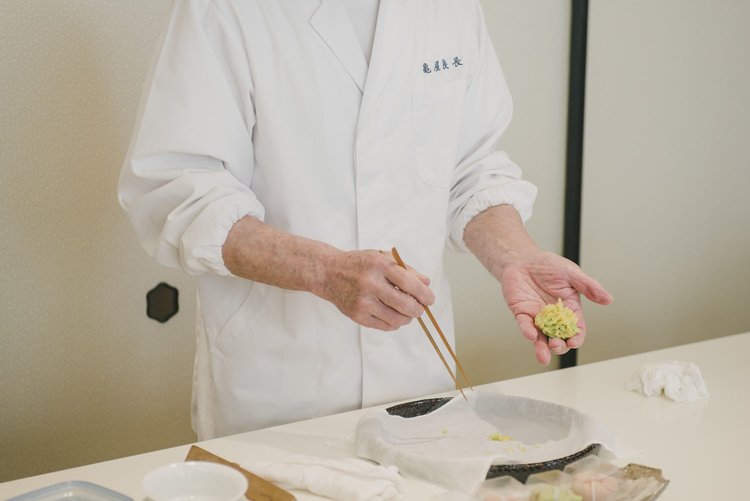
(574, 154)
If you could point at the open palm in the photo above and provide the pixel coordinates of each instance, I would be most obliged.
(539, 279)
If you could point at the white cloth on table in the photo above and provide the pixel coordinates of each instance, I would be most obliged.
(349, 479)
(677, 380)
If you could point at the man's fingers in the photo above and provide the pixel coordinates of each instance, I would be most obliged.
(409, 282)
(589, 287)
(574, 304)
(541, 348)
(371, 289)
(400, 302)
(526, 324)
(423, 278)
(376, 323)
(379, 316)
(576, 341)
(557, 346)
(390, 316)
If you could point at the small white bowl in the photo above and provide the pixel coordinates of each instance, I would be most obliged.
(195, 481)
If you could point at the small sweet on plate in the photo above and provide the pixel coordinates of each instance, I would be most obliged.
(499, 437)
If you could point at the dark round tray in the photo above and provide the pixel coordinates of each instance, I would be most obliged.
(519, 471)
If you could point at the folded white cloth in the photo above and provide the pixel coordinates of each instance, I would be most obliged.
(349, 479)
(455, 445)
(679, 381)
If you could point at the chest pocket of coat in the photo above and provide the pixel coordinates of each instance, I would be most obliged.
(437, 124)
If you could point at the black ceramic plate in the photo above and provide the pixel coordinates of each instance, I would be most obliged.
(519, 471)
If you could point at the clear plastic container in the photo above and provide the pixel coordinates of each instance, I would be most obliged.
(595, 479)
(74, 490)
(503, 488)
(552, 485)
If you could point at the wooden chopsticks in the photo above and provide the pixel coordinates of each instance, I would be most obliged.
(400, 262)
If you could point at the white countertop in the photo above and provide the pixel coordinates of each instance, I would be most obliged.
(702, 448)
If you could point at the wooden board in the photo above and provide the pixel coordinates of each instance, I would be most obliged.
(258, 488)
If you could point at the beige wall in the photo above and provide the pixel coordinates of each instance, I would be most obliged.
(84, 374)
(666, 221)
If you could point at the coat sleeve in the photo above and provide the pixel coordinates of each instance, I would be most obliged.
(484, 177)
(186, 178)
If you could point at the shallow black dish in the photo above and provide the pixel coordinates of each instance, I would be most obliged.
(519, 471)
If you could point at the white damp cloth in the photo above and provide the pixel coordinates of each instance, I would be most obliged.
(455, 445)
(348, 479)
(677, 380)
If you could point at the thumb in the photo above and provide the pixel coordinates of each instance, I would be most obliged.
(589, 287)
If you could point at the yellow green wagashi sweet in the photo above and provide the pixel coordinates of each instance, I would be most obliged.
(557, 320)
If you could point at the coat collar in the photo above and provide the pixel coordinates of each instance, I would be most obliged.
(393, 35)
(331, 22)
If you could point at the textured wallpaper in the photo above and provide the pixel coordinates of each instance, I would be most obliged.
(84, 374)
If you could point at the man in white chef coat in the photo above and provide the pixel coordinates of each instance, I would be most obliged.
(280, 145)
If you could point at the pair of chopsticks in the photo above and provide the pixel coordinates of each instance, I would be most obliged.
(400, 262)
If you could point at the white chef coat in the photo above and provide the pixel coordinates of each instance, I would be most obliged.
(267, 108)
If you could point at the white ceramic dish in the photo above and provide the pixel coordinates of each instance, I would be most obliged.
(195, 481)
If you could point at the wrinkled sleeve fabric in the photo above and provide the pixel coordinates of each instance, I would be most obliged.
(484, 177)
(186, 178)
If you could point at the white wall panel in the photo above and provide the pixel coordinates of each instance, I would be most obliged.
(666, 172)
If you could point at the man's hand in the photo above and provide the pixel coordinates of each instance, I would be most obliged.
(530, 278)
(371, 289)
(367, 286)
(534, 281)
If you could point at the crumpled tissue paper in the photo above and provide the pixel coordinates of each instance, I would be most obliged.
(677, 380)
